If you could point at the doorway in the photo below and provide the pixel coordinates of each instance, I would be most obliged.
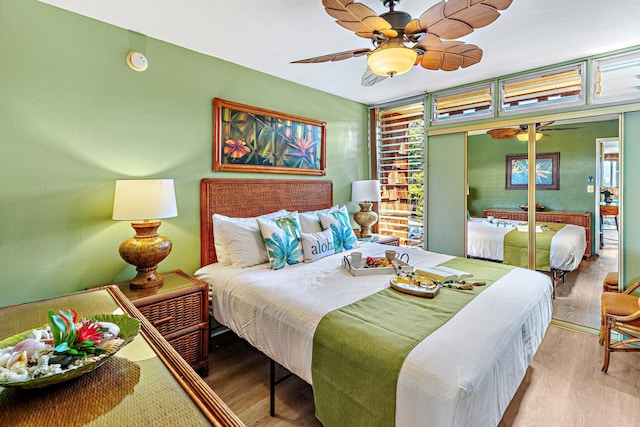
(579, 301)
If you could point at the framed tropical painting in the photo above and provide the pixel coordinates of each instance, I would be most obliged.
(547, 171)
(251, 139)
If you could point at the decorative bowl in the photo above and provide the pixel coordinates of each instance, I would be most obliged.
(526, 208)
(129, 328)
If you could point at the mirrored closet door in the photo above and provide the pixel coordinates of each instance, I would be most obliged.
(571, 176)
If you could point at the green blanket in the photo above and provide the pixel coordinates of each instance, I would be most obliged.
(358, 350)
(516, 246)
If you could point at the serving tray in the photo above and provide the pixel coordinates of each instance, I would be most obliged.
(404, 285)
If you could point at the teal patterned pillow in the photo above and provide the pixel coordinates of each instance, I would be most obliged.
(343, 236)
(282, 239)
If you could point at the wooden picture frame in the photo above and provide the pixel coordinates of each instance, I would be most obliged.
(251, 139)
(547, 171)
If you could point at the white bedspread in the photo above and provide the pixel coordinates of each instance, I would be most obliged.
(464, 373)
(486, 241)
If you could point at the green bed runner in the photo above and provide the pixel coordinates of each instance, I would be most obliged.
(358, 350)
(516, 246)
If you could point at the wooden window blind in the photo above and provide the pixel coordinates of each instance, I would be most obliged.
(561, 87)
(468, 104)
(400, 168)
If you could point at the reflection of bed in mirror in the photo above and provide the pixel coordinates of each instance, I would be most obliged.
(566, 250)
(486, 241)
(456, 375)
(582, 219)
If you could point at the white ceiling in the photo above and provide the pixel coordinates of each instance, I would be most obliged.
(267, 35)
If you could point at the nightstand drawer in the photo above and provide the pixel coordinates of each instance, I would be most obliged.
(190, 345)
(175, 314)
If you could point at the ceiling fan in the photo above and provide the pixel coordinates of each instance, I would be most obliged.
(521, 132)
(400, 41)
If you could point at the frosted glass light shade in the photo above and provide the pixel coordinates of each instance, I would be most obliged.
(144, 199)
(365, 191)
(524, 137)
(391, 59)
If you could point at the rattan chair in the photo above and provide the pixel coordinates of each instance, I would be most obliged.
(620, 313)
(610, 282)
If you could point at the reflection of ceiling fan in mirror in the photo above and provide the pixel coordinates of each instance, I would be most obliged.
(521, 132)
(400, 41)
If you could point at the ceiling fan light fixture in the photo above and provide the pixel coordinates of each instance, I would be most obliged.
(391, 59)
(524, 137)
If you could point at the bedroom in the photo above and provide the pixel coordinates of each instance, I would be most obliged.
(75, 119)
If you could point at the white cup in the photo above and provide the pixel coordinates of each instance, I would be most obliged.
(390, 255)
(356, 259)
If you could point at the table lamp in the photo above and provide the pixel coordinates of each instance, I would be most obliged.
(144, 202)
(365, 193)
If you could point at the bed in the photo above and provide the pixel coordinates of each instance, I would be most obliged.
(464, 373)
(486, 240)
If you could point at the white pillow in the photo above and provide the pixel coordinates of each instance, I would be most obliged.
(317, 245)
(343, 236)
(282, 240)
(310, 221)
(238, 241)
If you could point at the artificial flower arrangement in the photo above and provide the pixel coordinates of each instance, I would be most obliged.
(66, 344)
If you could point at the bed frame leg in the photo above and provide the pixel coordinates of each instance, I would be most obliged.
(558, 276)
(272, 389)
(272, 386)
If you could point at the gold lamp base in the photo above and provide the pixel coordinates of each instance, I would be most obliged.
(365, 218)
(145, 250)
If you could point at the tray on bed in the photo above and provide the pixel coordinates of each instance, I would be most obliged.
(370, 271)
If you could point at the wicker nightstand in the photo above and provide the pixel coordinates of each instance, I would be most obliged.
(179, 310)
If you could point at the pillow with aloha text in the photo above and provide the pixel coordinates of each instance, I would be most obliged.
(317, 245)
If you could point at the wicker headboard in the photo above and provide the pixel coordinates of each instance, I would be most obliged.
(253, 197)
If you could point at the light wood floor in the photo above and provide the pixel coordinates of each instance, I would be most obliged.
(562, 387)
(578, 299)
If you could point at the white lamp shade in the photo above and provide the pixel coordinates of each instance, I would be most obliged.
(365, 191)
(144, 199)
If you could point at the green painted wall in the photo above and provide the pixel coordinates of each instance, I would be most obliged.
(486, 169)
(75, 118)
(446, 219)
(631, 199)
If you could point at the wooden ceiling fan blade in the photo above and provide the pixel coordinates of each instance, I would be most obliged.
(369, 78)
(358, 18)
(453, 19)
(429, 40)
(450, 56)
(338, 56)
(503, 133)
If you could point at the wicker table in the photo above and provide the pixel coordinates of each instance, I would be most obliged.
(146, 383)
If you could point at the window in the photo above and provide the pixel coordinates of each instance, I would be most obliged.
(616, 78)
(560, 87)
(463, 104)
(399, 142)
